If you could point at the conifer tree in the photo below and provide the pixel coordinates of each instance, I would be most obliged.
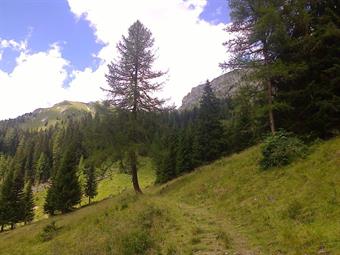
(81, 174)
(91, 183)
(12, 198)
(50, 201)
(185, 152)
(260, 34)
(42, 168)
(132, 82)
(6, 209)
(28, 203)
(66, 188)
(166, 167)
(209, 128)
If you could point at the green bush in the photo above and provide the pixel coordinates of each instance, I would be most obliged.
(48, 232)
(281, 149)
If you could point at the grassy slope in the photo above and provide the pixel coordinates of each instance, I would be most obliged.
(111, 186)
(47, 117)
(229, 205)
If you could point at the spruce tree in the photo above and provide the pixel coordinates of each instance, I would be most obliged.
(91, 183)
(12, 198)
(132, 82)
(185, 152)
(209, 128)
(6, 209)
(66, 188)
(166, 167)
(42, 168)
(28, 202)
(81, 174)
(50, 206)
(65, 191)
(17, 205)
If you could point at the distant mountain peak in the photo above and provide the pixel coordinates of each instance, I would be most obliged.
(44, 117)
(223, 86)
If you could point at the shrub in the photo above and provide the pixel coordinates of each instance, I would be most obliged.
(48, 232)
(281, 149)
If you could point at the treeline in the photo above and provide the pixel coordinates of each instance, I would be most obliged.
(217, 127)
(57, 156)
(292, 47)
(290, 50)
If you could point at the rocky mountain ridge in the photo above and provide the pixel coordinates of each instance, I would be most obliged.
(223, 86)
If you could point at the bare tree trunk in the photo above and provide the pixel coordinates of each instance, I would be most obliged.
(270, 106)
(269, 93)
(133, 164)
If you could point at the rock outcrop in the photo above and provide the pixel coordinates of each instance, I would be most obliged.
(223, 86)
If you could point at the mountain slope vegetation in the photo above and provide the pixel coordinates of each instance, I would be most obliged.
(230, 205)
(47, 117)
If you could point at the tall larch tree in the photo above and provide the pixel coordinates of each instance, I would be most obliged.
(132, 82)
(259, 35)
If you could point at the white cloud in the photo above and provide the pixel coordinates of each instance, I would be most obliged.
(188, 47)
(35, 82)
(38, 81)
(17, 46)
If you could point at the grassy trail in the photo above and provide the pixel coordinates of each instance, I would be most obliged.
(229, 207)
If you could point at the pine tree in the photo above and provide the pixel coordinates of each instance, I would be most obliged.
(91, 183)
(6, 210)
(42, 168)
(28, 203)
(166, 167)
(209, 128)
(81, 174)
(260, 35)
(132, 83)
(185, 152)
(67, 189)
(17, 205)
(12, 199)
(50, 206)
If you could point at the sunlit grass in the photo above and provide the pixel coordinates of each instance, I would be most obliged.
(228, 206)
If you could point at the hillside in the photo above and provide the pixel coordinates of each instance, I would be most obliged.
(45, 117)
(228, 207)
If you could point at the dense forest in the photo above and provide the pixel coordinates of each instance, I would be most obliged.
(289, 53)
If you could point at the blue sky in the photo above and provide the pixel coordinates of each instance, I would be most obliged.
(43, 22)
(78, 34)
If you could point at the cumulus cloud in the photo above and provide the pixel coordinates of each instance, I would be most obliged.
(189, 48)
(36, 81)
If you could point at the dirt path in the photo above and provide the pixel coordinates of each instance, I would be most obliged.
(212, 234)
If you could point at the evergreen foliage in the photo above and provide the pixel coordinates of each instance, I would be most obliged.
(28, 202)
(65, 190)
(42, 168)
(91, 184)
(210, 131)
(281, 149)
(132, 82)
